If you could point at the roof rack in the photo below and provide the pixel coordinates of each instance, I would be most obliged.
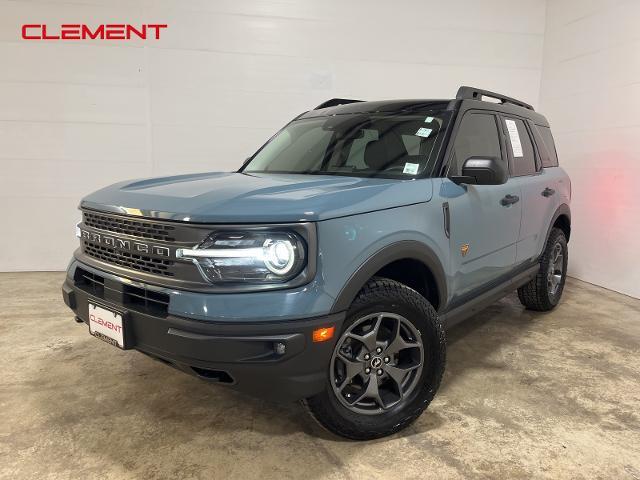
(335, 102)
(472, 93)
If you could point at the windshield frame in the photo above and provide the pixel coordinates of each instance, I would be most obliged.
(431, 167)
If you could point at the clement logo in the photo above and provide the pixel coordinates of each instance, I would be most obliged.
(105, 323)
(80, 31)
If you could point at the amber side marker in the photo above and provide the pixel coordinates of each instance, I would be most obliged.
(323, 334)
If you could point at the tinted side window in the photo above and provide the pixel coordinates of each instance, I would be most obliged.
(551, 159)
(524, 160)
(477, 137)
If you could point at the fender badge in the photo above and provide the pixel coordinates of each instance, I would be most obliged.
(464, 249)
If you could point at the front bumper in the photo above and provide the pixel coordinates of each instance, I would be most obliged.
(245, 356)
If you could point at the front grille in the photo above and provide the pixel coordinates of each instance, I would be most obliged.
(132, 298)
(127, 226)
(134, 261)
(140, 248)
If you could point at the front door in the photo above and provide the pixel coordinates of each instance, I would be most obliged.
(484, 219)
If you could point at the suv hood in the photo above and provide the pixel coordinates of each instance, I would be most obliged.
(250, 198)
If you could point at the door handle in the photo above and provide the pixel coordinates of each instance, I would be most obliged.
(509, 200)
(547, 192)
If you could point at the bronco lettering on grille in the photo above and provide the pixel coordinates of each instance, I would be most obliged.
(127, 245)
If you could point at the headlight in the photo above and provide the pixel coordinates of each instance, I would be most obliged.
(248, 257)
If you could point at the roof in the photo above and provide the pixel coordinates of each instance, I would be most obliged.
(378, 106)
(469, 97)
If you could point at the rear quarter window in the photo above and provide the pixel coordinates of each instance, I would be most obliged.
(548, 147)
(523, 159)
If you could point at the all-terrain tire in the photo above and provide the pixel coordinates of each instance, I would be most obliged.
(538, 294)
(384, 295)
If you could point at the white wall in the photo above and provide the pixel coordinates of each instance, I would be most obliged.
(591, 95)
(75, 116)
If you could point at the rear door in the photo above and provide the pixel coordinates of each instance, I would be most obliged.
(483, 228)
(538, 196)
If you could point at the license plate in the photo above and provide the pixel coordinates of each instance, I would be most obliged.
(106, 325)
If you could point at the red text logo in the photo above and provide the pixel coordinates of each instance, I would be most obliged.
(105, 323)
(80, 31)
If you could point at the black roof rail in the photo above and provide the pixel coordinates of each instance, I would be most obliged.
(472, 93)
(335, 102)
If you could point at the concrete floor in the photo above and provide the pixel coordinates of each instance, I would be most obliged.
(525, 395)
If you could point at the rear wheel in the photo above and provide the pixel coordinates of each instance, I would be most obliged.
(386, 366)
(544, 291)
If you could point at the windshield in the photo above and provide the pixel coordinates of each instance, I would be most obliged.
(360, 144)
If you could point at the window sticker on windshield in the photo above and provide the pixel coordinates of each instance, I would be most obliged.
(423, 132)
(411, 168)
(428, 120)
(514, 136)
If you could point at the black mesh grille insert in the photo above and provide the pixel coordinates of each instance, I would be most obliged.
(134, 261)
(148, 301)
(89, 282)
(127, 226)
(133, 298)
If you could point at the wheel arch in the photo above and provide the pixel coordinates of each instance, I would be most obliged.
(561, 219)
(410, 251)
(563, 222)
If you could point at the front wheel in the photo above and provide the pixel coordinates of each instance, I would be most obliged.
(386, 366)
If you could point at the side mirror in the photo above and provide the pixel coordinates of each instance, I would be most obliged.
(481, 171)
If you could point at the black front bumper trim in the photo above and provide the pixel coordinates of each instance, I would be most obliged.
(272, 360)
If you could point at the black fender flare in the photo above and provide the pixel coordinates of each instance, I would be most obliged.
(405, 249)
(563, 209)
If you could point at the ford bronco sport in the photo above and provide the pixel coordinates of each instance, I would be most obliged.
(328, 266)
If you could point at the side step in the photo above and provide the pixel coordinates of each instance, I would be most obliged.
(475, 305)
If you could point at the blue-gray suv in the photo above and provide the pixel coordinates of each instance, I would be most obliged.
(328, 267)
